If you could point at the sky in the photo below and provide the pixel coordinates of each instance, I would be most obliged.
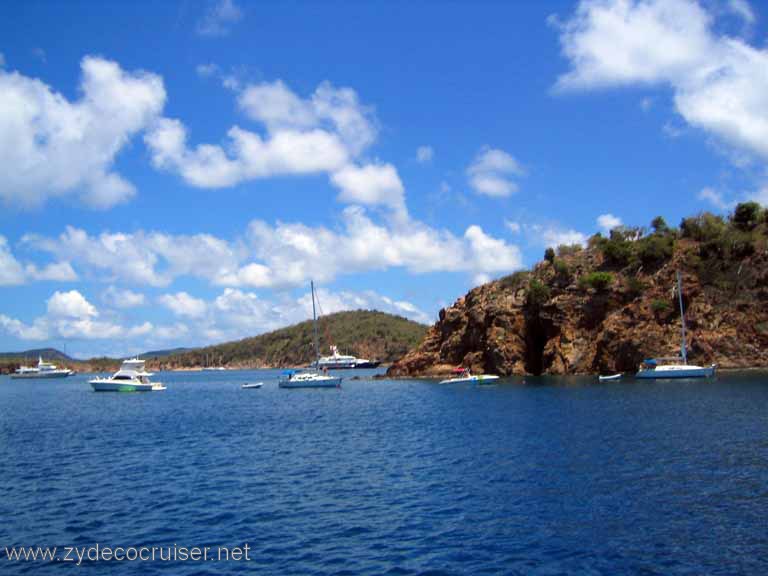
(175, 174)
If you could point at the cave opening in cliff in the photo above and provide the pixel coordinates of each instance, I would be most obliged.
(537, 335)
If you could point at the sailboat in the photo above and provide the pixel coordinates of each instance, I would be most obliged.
(311, 378)
(675, 367)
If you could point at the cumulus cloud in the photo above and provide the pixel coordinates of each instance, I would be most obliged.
(50, 146)
(282, 255)
(607, 222)
(491, 173)
(424, 154)
(12, 272)
(743, 10)
(70, 304)
(720, 83)
(182, 304)
(221, 16)
(715, 198)
(372, 184)
(122, 298)
(324, 133)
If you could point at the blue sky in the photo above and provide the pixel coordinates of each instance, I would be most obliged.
(174, 174)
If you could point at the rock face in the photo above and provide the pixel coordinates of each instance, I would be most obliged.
(576, 329)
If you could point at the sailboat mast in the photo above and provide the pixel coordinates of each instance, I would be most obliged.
(314, 320)
(682, 317)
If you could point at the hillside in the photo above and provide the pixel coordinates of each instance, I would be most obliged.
(606, 307)
(367, 334)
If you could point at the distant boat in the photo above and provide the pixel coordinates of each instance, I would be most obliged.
(464, 375)
(130, 378)
(252, 385)
(338, 361)
(608, 378)
(42, 370)
(675, 367)
(310, 378)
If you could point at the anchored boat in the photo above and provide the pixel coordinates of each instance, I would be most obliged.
(675, 367)
(310, 378)
(130, 378)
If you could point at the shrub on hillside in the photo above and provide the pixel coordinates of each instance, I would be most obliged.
(549, 255)
(562, 272)
(538, 294)
(635, 286)
(747, 215)
(596, 280)
(568, 249)
(660, 306)
(655, 249)
(704, 227)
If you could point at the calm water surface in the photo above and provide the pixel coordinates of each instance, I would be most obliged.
(555, 476)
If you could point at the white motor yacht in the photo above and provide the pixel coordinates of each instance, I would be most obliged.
(42, 370)
(130, 378)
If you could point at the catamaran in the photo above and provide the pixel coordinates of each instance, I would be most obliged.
(42, 370)
(310, 378)
(675, 367)
(130, 378)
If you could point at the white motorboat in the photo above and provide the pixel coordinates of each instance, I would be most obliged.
(42, 370)
(464, 375)
(252, 385)
(130, 378)
(609, 378)
(675, 367)
(338, 361)
(311, 378)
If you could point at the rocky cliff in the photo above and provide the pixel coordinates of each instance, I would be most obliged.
(605, 308)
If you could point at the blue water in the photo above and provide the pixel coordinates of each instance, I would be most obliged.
(554, 476)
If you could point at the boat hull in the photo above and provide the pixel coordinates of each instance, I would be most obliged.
(479, 379)
(105, 386)
(325, 383)
(691, 372)
(62, 374)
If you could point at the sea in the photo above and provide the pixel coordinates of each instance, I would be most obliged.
(535, 475)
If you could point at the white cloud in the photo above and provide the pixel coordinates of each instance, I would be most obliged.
(52, 147)
(70, 304)
(512, 226)
(424, 154)
(371, 185)
(608, 222)
(122, 298)
(206, 70)
(715, 198)
(221, 16)
(143, 258)
(11, 272)
(491, 171)
(743, 10)
(286, 254)
(182, 304)
(38, 330)
(550, 235)
(720, 83)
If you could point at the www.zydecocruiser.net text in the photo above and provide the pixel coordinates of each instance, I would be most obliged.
(98, 553)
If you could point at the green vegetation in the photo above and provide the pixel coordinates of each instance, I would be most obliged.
(747, 215)
(367, 334)
(660, 306)
(568, 250)
(515, 281)
(599, 281)
(549, 255)
(562, 271)
(635, 286)
(537, 295)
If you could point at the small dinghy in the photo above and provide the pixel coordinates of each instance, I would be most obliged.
(607, 378)
(252, 385)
